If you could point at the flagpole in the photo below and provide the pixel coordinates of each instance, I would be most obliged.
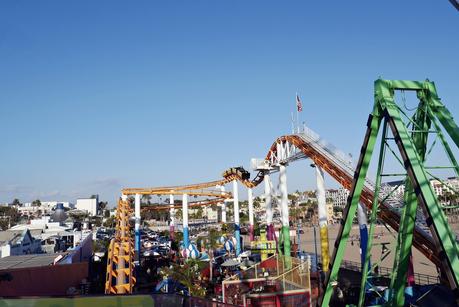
(293, 124)
(297, 121)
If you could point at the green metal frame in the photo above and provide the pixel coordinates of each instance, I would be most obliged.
(412, 147)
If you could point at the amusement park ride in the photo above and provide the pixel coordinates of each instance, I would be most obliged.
(429, 231)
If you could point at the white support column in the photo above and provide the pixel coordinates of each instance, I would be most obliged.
(237, 231)
(172, 217)
(222, 189)
(269, 208)
(186, 238)
(323, 218)
(251, 220)
(284, 206)
(137, 225)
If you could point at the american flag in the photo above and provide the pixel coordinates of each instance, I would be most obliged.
(299, 106)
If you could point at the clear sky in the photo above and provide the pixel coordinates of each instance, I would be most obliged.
(99, 95)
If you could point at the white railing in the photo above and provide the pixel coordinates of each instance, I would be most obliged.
(311, 135)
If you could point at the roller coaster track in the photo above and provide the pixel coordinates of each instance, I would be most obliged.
(120, 261)
(120, 266)
(193, 189)
(190, 205)
(331, 160)
(296, 146)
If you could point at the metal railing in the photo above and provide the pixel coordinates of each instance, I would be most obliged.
(295, 278)
(277, 273)
(420, 279)
(259, 270)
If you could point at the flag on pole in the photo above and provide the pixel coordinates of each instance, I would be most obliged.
(299, 106)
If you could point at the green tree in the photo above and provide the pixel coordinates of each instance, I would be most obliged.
(103, 205)
(178, 213)
(294, 213)
(147, 215)
(146, 199)
(131, 200)
(178, 236)
(212, 242)
(199, 213)
(36, 203)
(78, 216)
(9, 216)
(16, 202)
(227, 228)
(95, 220)
(110, 222)
(292, 197)
(257, 204)
(337, 209)
(101, 246)
(243, 218)
(188, 274)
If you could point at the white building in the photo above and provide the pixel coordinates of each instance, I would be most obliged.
(212, 215)
(337, 196)
(50, 233)
(30, 211)
(207, 212)
(90, 205)
(18, 243)
(46, 207)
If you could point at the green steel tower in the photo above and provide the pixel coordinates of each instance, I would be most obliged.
(410, 135)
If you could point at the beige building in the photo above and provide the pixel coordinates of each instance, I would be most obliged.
(90, 205)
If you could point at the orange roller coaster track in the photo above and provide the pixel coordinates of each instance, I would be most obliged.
(421, 240)
(120, 279)
(191, 204)
(120, 266)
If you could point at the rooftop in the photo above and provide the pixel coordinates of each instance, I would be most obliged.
(26, 261)
(7, 236)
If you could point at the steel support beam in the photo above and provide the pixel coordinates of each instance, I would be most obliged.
(186, 236)
(323, 218)
(137, 227)
(251, 218)
(269, 208)
(285, 214)
(172, 217)
(237, 227)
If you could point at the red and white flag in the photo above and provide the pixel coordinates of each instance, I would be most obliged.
(299, 106)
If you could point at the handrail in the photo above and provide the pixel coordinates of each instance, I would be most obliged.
(422, 279)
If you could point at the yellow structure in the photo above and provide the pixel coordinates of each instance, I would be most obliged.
(120, 263)
(120, 267)
(263, 245)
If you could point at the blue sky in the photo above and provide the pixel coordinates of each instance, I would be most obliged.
(95, 96)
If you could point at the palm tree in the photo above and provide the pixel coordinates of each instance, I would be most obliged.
(294, 213)
(16, 202)
(188, 274)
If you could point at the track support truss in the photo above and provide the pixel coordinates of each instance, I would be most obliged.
(120, 266)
